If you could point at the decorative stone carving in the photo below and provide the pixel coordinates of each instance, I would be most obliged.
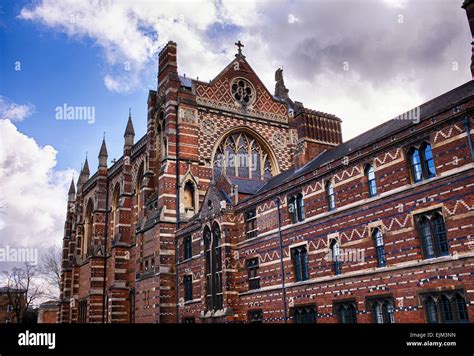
(208, 127)
(279, 140)
(188, 116)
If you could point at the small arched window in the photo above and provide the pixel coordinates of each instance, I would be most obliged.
(379, 247)
(371, 182)
(296, 208)
(422, 162)
(383, 311)
(330, 196)
(415, 164)
(428, 161)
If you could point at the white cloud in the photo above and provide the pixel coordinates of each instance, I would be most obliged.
(13, 111)
(393, 66)
(33, 193)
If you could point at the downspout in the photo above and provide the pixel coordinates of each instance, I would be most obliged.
(177, 215)
(467, 123)
(282, 267)
(105, 246)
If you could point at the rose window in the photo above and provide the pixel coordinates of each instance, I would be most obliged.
(242, 91)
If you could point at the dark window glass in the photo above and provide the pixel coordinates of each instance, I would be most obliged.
(439, 231)
(445, 307)
(188, 247)
(188, 287)
(383, 311)
(371, 182)
(433, 234)
(347, 313)
(300, 207)
(255, 317)
(379, 247)
(300, 262)
(253, 277)
(304, 315)
(251, 224)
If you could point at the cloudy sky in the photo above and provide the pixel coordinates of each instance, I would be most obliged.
(363, 60)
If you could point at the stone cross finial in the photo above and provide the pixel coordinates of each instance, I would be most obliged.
(239, 46)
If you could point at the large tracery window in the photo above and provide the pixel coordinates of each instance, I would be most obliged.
(241, 155)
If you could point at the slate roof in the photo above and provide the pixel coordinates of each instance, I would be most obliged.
(428, 109)
(247, 186)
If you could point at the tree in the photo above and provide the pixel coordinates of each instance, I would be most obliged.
(22, 289)
(50, 269)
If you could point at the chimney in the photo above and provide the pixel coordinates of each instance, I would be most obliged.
(317, 132)
(468, 5)
(167, 62)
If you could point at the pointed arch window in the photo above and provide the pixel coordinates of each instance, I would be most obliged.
(432, 231)
(296, 208)
(347, 313)
(371, 182)
(88, 231)
(212, 250)
(422, 162)
(240, 154)
(138, 189)
(382, 311)
(445, 307)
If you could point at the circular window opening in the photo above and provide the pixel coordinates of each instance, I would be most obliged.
(242, 91)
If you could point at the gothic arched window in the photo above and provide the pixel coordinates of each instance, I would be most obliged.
(422, 162)
(240, 154)
(371, 183)
(138, 189)
(445, 307)
(432, 231)
(88, 230)
(212, 252)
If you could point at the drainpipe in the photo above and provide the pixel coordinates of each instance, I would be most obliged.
(177, 215)
(105, 248)
(282, 267)
(467, 123)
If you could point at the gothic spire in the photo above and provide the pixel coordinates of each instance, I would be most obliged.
(85, 168)
(72, 188)
(129, 131)
(103, 154)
